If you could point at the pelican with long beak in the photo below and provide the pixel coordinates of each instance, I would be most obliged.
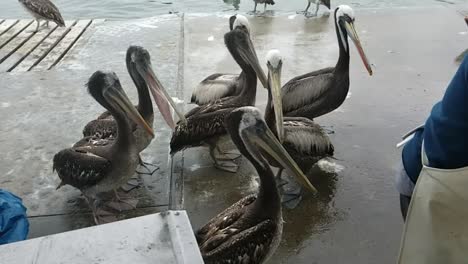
(141, 71)
(221, 85)
(317, 93)
(250, 230)
(303, 139)
(205, 124)
(108, 164)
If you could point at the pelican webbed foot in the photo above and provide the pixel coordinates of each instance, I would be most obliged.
(290, 190)
(228, 166)
(123, 203)
(226, 155)
(146, 166)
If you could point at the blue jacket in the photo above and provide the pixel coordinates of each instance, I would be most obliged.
(445, 133)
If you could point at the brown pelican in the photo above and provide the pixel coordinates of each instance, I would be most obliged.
(250, 230)
(105, 165)
(220, 85)
(304, 140)
(43, 10)
(140, 69)
(266, 2)
(317, 93)
(317, 5)
(204, 124)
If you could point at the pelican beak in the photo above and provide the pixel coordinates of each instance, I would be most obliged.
(120, 98)
(161, 96)
(355, 38)
(266, 140)
(274, 77)
(250, 56)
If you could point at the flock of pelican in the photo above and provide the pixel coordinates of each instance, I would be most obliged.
(285, 137)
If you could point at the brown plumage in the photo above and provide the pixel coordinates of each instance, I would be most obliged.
(43, 10)
(204, 124)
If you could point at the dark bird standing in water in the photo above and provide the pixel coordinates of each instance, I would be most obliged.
(220, 85)
(304, 140)
(266, 2)
(250, 230)
(205, 124)
(319, 92)
(103, 165)
(139, 67)
(43, 10)
(317, 5)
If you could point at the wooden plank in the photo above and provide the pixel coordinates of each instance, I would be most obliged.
(44, 48)
(21, 46)
(63, 46)
(13, 32)
(6, 25)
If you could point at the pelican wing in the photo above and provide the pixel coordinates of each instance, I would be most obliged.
(199, 128)
(306, 138)
(79, 167)
(223, 220)
(94, 141)
(305, 89)
(250, 245)
(101, 128)
(214, 87)
(217, 105)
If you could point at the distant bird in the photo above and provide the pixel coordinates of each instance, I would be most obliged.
(43, 10)
(139, 67)
(205, 124)
(319, 92)
(220, 85)
(266, 2)
(317, 3)
(304, 140)
(103, 165)
(250, 230)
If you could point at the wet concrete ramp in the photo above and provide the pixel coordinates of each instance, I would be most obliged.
(23, 49)
(354, 219)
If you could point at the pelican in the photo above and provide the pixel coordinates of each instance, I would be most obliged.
(317, 6)
(250, 230)
(105, 165)
(303, 139)
(43, 10)
(266, 2)
(204, 124)
(317, 93)
(141, 71)
(220, 85)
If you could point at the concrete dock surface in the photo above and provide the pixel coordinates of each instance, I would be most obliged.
(354, 219)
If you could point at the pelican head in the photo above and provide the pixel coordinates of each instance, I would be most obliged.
(139, 64)
(239, 21)
(240, 46)
(344, 16)
(106, 89)
(252, 136)
(274, 65)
